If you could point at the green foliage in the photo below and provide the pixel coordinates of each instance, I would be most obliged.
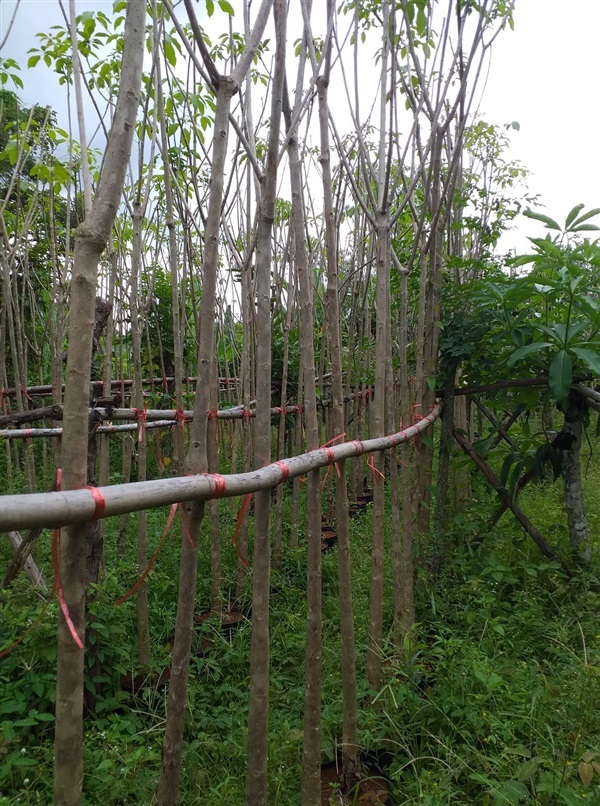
(556, 308)
(546, 322)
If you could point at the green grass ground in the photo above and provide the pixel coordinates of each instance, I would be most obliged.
(497, 701)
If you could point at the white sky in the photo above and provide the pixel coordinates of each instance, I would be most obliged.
(545, 74)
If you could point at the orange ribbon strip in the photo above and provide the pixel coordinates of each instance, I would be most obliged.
(150, 565)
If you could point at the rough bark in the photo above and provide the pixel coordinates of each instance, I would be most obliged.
(581, 551)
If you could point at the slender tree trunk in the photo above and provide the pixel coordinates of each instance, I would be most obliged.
(311, 756)
(350, 749)
(142, 615)
(440, 514)
(406, 617)
(197, 462)
(90, 241)
(374, 651)
(581, 551)
(258, 713)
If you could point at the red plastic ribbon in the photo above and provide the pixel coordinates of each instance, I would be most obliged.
(58, 585)
(416, 417)
(360, 448)
(331, 457)
(285, 470)
(371, 463)
(141, 416)
(238, 526)
(213, 414)
(99, 501)
(180, 418)
(219, 482)
(184, 526)
(150, 565)
(26, 393)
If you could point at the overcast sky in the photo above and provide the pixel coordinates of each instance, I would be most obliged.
(545, 74)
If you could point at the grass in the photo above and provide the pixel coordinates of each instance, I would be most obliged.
(496, 701)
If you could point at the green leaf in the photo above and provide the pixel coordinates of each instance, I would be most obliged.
(591, 358)
(33, 60)
(585, 228)
(527, 770)
(558, 332)
(170, 53)
(573, 215)
(561, 376)
(589, 214)
(575, 330)
(506, 465)
(210, 7)
(522, 260)
(226, 7)
(421, 22)
(512, 792)
(549, 222)
(527, 349)
(520, 750)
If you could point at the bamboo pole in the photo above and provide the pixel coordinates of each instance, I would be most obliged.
(52, 510)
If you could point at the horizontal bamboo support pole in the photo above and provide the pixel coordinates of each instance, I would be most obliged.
(31, 510)
(154, 418)
(33, 433)
(46, 389)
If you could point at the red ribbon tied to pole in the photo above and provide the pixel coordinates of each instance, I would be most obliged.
(371, 463)
(141, 416)
(331, 457)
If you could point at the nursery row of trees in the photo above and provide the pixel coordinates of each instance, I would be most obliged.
(303, 223)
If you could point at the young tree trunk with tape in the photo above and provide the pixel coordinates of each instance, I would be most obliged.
(258, 712)
(91, 238)
(350, 748)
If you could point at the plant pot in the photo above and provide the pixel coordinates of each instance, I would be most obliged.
(329, 535)
(231, 620)
(371, 790)
(134, 683)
